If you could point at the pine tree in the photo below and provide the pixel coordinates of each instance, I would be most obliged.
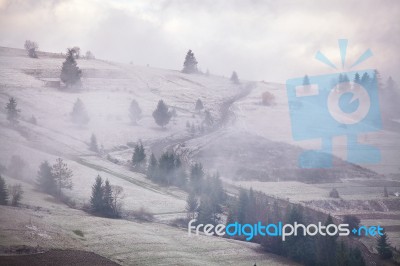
(205, 211)
(383, 247)
(70, 72)
(365, 80)
(97, 200)
(108, 199)
(138, 157)
(243, 204)
(190, 64)
(192, 204)
(357, 78)
(62, 175)
(306, 81)
(234, 78)
(45, 179)
(134, 112)
(12, 111)
(3, 192)
(196, 177)
(161, 115)
(199, 105)
(93, 144)
(79, 114)
(152, 168)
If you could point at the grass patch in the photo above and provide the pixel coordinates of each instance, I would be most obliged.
(78, 233)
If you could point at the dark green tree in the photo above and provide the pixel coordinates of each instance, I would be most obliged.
(357, 78)
(139, 157)
(152, 167)
(3, 192)
(196, 177)
(45, 179)
(190, 64)
(12, 111)
(96, 200)
(79, 114)
(108, 199)
(383, 247)
(70, 72)
(161, 115)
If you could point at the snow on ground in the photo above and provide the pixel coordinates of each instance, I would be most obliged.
(44, 222)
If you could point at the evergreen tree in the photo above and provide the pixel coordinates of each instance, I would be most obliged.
(168, 165)
(192, 205)
(234, 78)
(383, 247)
(79, 114)
(3, 192)
(45, 179)
(93, 143)
(70, 72)
(199, 105)
(205, 214)
(138, 157)
(306, 81)
(97, 200)
(12, 111)
(108, 199)
(243, 203)
(365, 80)
(190, 64)
(196, 177)
(334, 193)
(62, 175)
(357, 78)
(152, 168)
(161, 115)
(134, 112)
(352, 221)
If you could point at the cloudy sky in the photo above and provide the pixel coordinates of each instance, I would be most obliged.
(261, 40)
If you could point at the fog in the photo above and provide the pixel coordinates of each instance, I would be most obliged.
(261, 40)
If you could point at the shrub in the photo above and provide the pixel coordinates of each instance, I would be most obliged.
(267, 98)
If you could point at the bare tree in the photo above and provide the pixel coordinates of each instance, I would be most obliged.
(62, 175)
(117, 196)
(31, 47)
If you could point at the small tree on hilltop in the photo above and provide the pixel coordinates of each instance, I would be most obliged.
(12, 111)
(31, 48)
(79, 114)
(190, 64)
(3, 192)
(62, 175)
(70, 72)
(383, 247)
(161, 115)
(199, 105)
(134, 112)
(234, 78)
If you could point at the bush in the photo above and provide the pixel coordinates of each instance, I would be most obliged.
(143, 215)
(268, 98)
(334, 193)
(78, 233)
(15, 194)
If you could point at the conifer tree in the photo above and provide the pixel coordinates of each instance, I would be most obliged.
(192, 204)
(306, 80)
(3, 192)
(96, 200)
(45, 179)
(161, 115)
(108, 199)
(79, 114)
(383, 247)
(234, 78)
(93, 143)
(12, 111)
(196, 177)
(190, 64)
(152, 168)
(70, 72)
(208, 119)
(134, 112)
(139, 157)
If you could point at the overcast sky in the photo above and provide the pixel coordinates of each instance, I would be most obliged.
(261, 40)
